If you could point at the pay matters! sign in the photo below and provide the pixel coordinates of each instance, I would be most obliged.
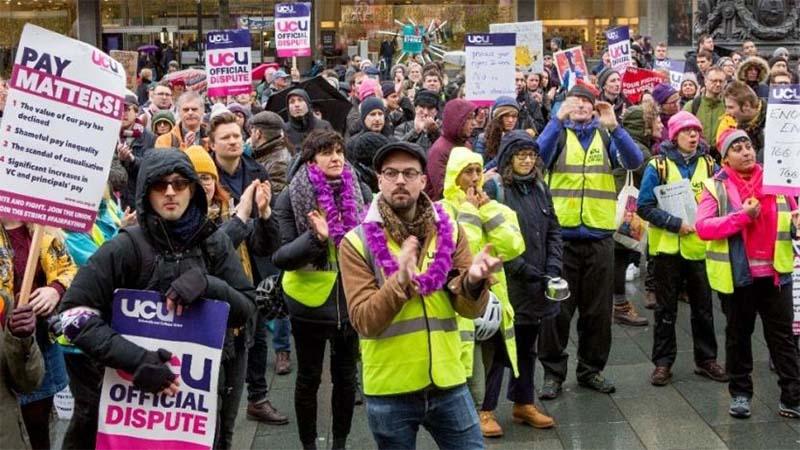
(132, 418)
(59, 130)
(293, 29)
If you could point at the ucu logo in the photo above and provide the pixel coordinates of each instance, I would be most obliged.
(200, 380)
(478, 39)
(786, 93)
(104, 61)
(295, 25)
(228, 58)
(616, 52)
(284, 9)
(147, 309)
(612, 35)
(218, 38)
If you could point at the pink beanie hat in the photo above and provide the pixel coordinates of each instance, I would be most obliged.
(681, 121)
(367, 88)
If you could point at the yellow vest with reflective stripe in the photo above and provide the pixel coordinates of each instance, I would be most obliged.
(691, 247)
(422, 346)
(474, 228)
(582, 185)
(718, 258)
(309, 286)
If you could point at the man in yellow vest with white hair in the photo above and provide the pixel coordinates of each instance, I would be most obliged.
(407, 271)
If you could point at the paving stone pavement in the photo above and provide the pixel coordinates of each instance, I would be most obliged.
(690, 413)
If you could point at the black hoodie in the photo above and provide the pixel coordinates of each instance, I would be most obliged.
(297, 128)
(118, 265)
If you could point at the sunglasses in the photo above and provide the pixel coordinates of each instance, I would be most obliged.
(178, 185)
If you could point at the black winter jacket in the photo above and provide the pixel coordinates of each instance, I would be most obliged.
(543, 249)
(140, 147)
(118, 264)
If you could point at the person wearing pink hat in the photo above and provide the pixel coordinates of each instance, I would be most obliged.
(678, 253)
(749, 263)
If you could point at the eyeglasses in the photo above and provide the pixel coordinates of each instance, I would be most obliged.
(408, 174)
(178, 185)
(522, 156)
(164, 94)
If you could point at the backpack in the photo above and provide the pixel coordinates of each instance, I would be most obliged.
(661, 166)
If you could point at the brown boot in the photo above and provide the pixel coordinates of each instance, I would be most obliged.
(283, 365)
(489, 425)
(650, 300)
(661, 376)
(265, 412)
(625, 314)
(532, 416)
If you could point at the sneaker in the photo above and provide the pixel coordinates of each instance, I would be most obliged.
(650, 301)
(631, 273)
(598, 383)
(740, 407)
(266, 413)
(792, 412)
(489, 425)
(712, 369)
(626, 314)
(530, 415)
(550, 389)
(661, 376)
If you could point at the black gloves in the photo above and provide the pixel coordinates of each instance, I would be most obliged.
(188, 287)
(22, 322)
(152, 374)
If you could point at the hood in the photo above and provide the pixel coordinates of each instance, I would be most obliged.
(634, 123)
(161, 162)
(762, 65)
(460, 157)
(455, 115)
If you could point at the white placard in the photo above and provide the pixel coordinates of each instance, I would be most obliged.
(490, 67)
(529, 46)
(782, 141)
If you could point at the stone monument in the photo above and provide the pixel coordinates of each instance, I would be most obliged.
(769, 23)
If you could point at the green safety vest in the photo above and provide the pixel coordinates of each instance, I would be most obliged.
(582, 186)
(422, 346)
(691, 247)
(718, 258)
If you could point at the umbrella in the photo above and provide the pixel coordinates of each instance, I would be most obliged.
(330, 102)
(258, 72)
(148, 48)
(194, 79)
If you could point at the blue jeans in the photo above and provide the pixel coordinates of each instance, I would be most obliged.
(448, 415)
(281, 334)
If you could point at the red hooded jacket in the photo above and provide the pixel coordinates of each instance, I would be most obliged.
(454, 117)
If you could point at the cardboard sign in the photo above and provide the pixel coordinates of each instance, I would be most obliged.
(228, 62)
(636, 81)
(293, 29)
(490, 67)
(129, 61)
(619, 47)
(131, 418)
(528, 56)
(59, 130)
(571, 66)
(676, 69)
(782, 141)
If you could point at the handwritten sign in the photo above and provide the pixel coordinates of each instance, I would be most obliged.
(528, 52)
(293, 29)
(571, 66)
(619, 47)
(490, 67)
(59, 130)
(636, 81)
(228, 68)
(131, 418)
(782, 141)
(676, 69)
(129, 61)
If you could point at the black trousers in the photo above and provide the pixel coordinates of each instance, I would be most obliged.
(671, 272)
(310, 341)
(589, 270)
(520, 390)
(774, 305)
(85, 381)
(257, 387)
(232, 373)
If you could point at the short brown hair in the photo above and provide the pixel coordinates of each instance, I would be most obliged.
(705, 54)
(220, 119)
(741, 93)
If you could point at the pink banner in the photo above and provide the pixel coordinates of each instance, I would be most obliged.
(36, 210)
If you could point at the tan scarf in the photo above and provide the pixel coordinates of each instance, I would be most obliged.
(399, 229)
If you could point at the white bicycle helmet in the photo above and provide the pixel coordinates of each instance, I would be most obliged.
(487, 325)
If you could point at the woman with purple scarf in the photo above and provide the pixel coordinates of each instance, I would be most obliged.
(323, 201)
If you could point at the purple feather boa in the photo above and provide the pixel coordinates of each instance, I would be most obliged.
(434, 278)
(340, 221)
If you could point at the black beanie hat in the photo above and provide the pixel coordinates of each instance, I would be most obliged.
(370, 104)
(427, 99)
(579, 90)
